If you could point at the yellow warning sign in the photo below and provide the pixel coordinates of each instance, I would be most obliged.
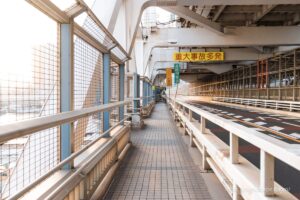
(169, 76)
(198, 56)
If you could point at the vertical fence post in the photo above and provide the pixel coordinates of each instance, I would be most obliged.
(136, 92)
(145, 88)
(234, 149)
(149, 92)
(203, 125)
(106, 89)
(267, 165)
(236, 193)
(121, 91)
(190, 115)
(205, 164)
(66, 89)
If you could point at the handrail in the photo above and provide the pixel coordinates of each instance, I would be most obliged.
(211, 150)
(23, 128)
(284, 154)
(79, 173)
(63, 163)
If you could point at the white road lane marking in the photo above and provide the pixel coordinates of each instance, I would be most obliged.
(276, 128)
(260, 123)
(275, 136)
(295, 135)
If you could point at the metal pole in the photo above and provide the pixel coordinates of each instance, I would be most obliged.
(145, 93)
(121, 91)
(106, 90)
(66, 88)
(136, 91)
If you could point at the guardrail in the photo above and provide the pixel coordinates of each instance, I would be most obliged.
(86, 176)
(238, 175)
(274, 104)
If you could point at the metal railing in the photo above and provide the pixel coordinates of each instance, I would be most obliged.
(237, 174)
(274, 104)
(27, 128)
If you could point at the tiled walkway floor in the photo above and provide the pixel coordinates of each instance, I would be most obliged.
(158, 166)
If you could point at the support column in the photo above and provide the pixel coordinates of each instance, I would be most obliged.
(267, 165)
(121, 90)
(294, 73)
(106, 90)
(280, 78)
(66, 89)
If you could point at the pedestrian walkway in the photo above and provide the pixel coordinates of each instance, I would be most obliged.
(158, 166)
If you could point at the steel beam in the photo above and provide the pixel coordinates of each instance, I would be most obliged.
(233, 37)
(232, 2)
(219, 12)
(50, 9)
(66, 88)
(106, 89)
(75, 10)
(264, 11)
(195, 18)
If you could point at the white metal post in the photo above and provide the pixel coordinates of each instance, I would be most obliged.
(267, 165)
(205, 164)
(66, 88)
(236, 193)
(203, 125)
(234, 149)
(190, 115)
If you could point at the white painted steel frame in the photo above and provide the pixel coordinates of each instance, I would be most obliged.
(64, 162)
(270, 148)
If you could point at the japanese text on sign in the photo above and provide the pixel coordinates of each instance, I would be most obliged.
(198, 56)
(169, 76)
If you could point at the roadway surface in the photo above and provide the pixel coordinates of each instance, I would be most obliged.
(283, 128)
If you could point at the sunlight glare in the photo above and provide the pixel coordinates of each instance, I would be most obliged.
(24, 27)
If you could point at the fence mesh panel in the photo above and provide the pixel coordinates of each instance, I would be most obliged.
(88, 67)
(29, 88)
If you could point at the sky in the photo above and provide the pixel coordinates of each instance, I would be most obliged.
(22, 28)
